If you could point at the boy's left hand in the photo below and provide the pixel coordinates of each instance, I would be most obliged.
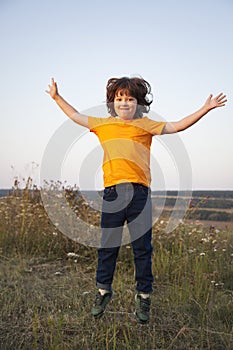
(218, 101)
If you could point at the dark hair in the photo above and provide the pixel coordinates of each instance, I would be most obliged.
(135, 87)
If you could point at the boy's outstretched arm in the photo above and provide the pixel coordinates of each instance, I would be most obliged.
(72, 113)
(191, 119)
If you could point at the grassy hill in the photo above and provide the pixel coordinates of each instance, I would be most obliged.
(47, 293)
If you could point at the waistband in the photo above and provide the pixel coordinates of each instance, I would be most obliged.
(127, 185)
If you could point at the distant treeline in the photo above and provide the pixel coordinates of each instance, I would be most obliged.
(223, 194)
(220, 202)
(209, 215)
(205, 193)
(4, 192)
(200, 202)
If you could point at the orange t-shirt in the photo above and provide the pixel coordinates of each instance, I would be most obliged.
(126, 145)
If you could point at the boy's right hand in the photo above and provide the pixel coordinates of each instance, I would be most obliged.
(53, 90)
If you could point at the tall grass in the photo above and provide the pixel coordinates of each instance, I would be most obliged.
(47, 293)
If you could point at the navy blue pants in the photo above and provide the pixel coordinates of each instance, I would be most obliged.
(130, 203)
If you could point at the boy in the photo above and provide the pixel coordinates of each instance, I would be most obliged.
(126, 138)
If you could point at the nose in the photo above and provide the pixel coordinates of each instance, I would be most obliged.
(125, 101)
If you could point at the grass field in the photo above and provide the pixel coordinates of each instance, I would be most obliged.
(46, 293)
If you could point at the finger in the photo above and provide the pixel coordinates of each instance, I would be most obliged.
(221, 98)
(222, 102)
(218, 96)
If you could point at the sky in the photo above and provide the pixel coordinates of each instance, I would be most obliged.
(182, 48)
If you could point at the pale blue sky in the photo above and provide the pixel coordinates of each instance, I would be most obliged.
(183, 48)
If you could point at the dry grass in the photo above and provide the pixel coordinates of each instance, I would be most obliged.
(46, 296)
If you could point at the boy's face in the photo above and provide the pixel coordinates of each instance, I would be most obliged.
(125, 105)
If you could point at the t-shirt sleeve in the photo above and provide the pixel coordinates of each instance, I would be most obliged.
(155, 127)
(94, 123)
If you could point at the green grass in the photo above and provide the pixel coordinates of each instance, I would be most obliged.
(46, 297)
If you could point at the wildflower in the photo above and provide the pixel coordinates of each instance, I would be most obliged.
(204, 240)
(191, 204)
(219, 284)
(202, 254)
(72, 255)
(54, 233)
(28, 270)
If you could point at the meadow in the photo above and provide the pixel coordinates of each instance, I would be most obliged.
(47, 285)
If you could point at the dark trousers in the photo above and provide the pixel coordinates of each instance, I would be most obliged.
(130, 203)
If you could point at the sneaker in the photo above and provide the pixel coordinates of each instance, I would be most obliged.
(100, 303)
(142, 312)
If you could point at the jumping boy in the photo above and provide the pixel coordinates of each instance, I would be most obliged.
(126, 137)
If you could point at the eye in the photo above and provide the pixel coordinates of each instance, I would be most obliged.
(132, 99)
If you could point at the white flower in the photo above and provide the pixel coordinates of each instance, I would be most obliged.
(72, 255)
(202, 254)
(204, 240)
